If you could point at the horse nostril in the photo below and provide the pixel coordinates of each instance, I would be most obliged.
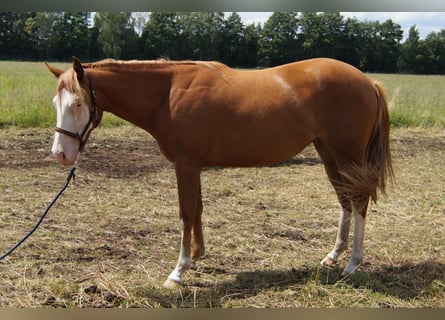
(64, 158)
(59, 156)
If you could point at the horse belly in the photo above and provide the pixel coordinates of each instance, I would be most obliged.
(258, 145)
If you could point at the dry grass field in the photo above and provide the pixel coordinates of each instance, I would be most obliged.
(113, 237)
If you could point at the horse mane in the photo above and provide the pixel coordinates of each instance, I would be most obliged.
(68, 80)
(217, 67)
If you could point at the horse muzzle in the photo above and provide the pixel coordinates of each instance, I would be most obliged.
(65, 150)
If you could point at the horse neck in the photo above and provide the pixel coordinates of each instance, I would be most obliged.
(132, 94)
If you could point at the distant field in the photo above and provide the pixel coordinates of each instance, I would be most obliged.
(415, 100)
(27, 89)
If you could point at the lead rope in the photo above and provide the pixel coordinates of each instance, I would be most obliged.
(45, 212)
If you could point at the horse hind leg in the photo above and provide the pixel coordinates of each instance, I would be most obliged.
(360, 184)
(351, 206)
(357, 246)
(341, 242)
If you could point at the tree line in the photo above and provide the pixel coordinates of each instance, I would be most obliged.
(372, 46)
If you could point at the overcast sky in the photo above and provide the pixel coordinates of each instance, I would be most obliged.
(426, 22)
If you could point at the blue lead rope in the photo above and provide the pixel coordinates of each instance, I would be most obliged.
(68, 180)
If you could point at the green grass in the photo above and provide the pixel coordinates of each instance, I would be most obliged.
(26, 93)
(415, 100)
(27, 88)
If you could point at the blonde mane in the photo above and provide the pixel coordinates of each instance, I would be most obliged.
(217, 67)
(68, 80)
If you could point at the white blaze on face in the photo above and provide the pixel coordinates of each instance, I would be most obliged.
(72, 115)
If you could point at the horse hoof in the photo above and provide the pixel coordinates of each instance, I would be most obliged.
(350, 269)
(171, 284)
(328, 261)
(347, 272)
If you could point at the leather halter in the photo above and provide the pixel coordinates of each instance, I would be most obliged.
(94, 119)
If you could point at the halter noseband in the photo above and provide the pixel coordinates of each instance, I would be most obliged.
(83, 136)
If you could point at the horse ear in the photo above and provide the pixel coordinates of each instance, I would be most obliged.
(77, 66)
(55, 71)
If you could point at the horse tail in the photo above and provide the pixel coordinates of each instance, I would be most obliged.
(378, 152)
(366, 179)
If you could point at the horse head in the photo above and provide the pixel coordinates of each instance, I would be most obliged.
(77, 113)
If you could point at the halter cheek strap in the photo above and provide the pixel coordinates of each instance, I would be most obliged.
(94, 119)
(72, 135)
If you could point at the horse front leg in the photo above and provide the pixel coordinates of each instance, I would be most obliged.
(198, 248)
(188, 180)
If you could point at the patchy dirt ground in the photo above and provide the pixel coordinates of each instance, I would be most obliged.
(114, 235)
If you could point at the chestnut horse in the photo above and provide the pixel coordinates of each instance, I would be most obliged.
(207, 114)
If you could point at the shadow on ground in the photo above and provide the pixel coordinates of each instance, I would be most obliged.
(405, 281)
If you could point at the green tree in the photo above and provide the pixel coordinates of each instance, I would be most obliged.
(239, 43)
(95, 52)
(285, 37)
(367, 45)
(232, 40)
(321, 35)
(278, 39)
(39, 29)
(161, 35)
(389, 47)
(71, 36)
(203, 36)
(202, 32)
(434, 53)
(249, 49)
(14, 41)
(353, 42)
(117, 37)
(411, 58)
(379, 46)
